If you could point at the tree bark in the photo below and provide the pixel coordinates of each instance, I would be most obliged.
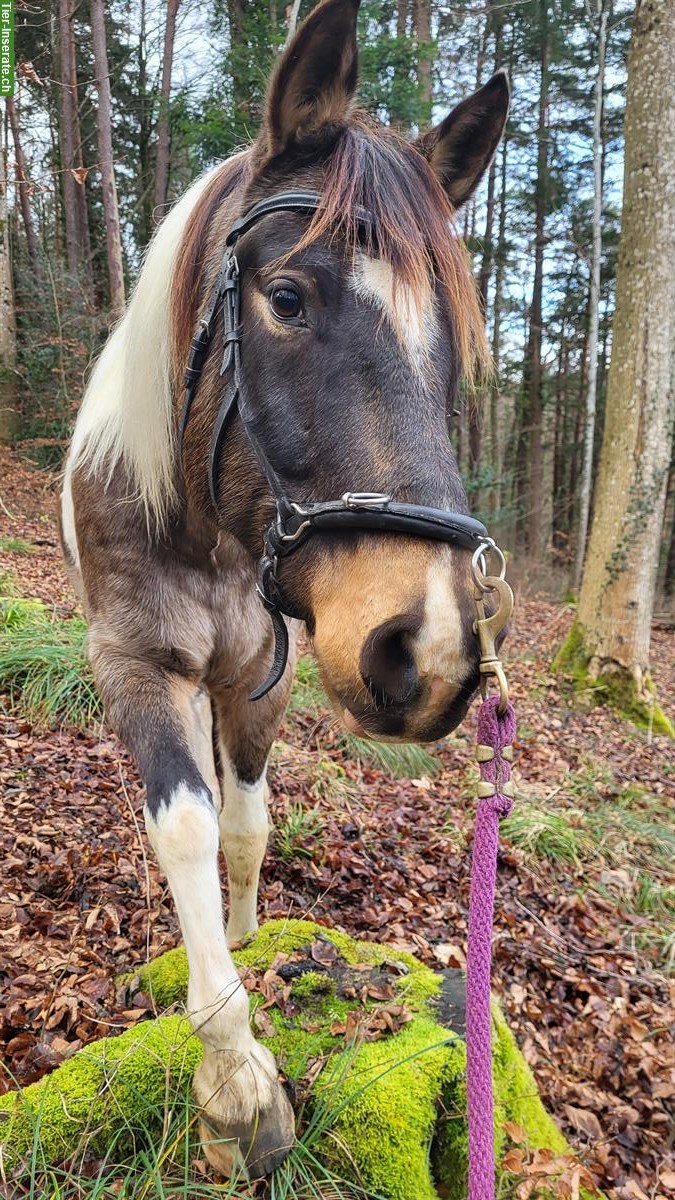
(402, 18)
(533, 380)
(68, 117)
(103, 124)
(163, 127)
(617, 593)
(500, 269)
(594, 315)
(7, 309)
(22, 187)
(422, 30)
(78, 242)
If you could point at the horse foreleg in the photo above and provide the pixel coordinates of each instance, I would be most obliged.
(245, 734)
(166, 722)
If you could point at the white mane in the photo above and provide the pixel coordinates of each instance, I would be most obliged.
(127, 410)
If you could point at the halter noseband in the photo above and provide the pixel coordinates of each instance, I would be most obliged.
(295, 523)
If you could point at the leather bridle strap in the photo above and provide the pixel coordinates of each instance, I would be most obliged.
(295, 523)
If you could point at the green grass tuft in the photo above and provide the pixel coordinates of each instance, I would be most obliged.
(292, 831)
(43, 664)
(559, 836)
(17, 545)
(308, 695)
(400, 761)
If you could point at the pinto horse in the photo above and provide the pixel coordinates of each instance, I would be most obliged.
(360, 317)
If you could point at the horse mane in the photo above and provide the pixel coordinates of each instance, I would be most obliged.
(127, 415)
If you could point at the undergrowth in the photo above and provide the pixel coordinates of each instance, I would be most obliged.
(17, 545)
(627, 838)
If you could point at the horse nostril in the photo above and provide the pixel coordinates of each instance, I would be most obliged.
(387, 662)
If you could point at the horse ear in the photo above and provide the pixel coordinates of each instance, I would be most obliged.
(315, 79)
(462, 147)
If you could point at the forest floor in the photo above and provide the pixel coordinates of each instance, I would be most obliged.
(585, 924)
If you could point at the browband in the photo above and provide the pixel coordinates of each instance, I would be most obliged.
(295, 523)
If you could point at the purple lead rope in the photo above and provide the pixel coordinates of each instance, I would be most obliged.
(496, 734)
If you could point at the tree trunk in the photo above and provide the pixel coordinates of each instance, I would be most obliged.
(78, 243)
(103, 123)
(500, 268)
(668, 579)
(594, 315)
(68, 118)
(146, 176)
(7, 310)
(534, 413)
(163, 127)
(22, 187)
(487, 257)
(422, 31)
(402, 18)
(617, 593)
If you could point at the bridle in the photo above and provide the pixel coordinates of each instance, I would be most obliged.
(294, 523)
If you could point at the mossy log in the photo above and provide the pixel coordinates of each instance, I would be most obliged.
(397, 1103)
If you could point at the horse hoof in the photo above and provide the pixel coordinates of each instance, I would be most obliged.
(239, 1139)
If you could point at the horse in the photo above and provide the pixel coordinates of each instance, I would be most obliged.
(348, 319)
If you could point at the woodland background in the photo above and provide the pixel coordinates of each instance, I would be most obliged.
(118, 107)
(123, 104)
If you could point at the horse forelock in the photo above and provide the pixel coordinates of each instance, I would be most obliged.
(372, 167)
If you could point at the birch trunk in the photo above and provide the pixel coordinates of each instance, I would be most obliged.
(594, 316)
(105, 150)
(617, 593)
(163, 128)
(7, 310)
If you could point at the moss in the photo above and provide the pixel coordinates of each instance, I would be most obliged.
(312, 984)
(165, 978)
(620, 691)
(385, 1110)
(616, 688)
(375, 1104)
(571, 658)
(115, 1090)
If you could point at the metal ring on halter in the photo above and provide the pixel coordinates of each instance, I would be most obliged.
(479, 568)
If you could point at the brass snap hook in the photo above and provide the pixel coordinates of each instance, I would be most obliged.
(488, 628)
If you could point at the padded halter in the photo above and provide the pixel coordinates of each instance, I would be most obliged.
(295, 523)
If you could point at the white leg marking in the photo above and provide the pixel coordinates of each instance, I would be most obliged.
(244, 830)
(184, 835)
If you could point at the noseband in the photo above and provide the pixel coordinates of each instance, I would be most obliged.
(294, 524)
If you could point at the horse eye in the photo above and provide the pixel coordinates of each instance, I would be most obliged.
(286, 303)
